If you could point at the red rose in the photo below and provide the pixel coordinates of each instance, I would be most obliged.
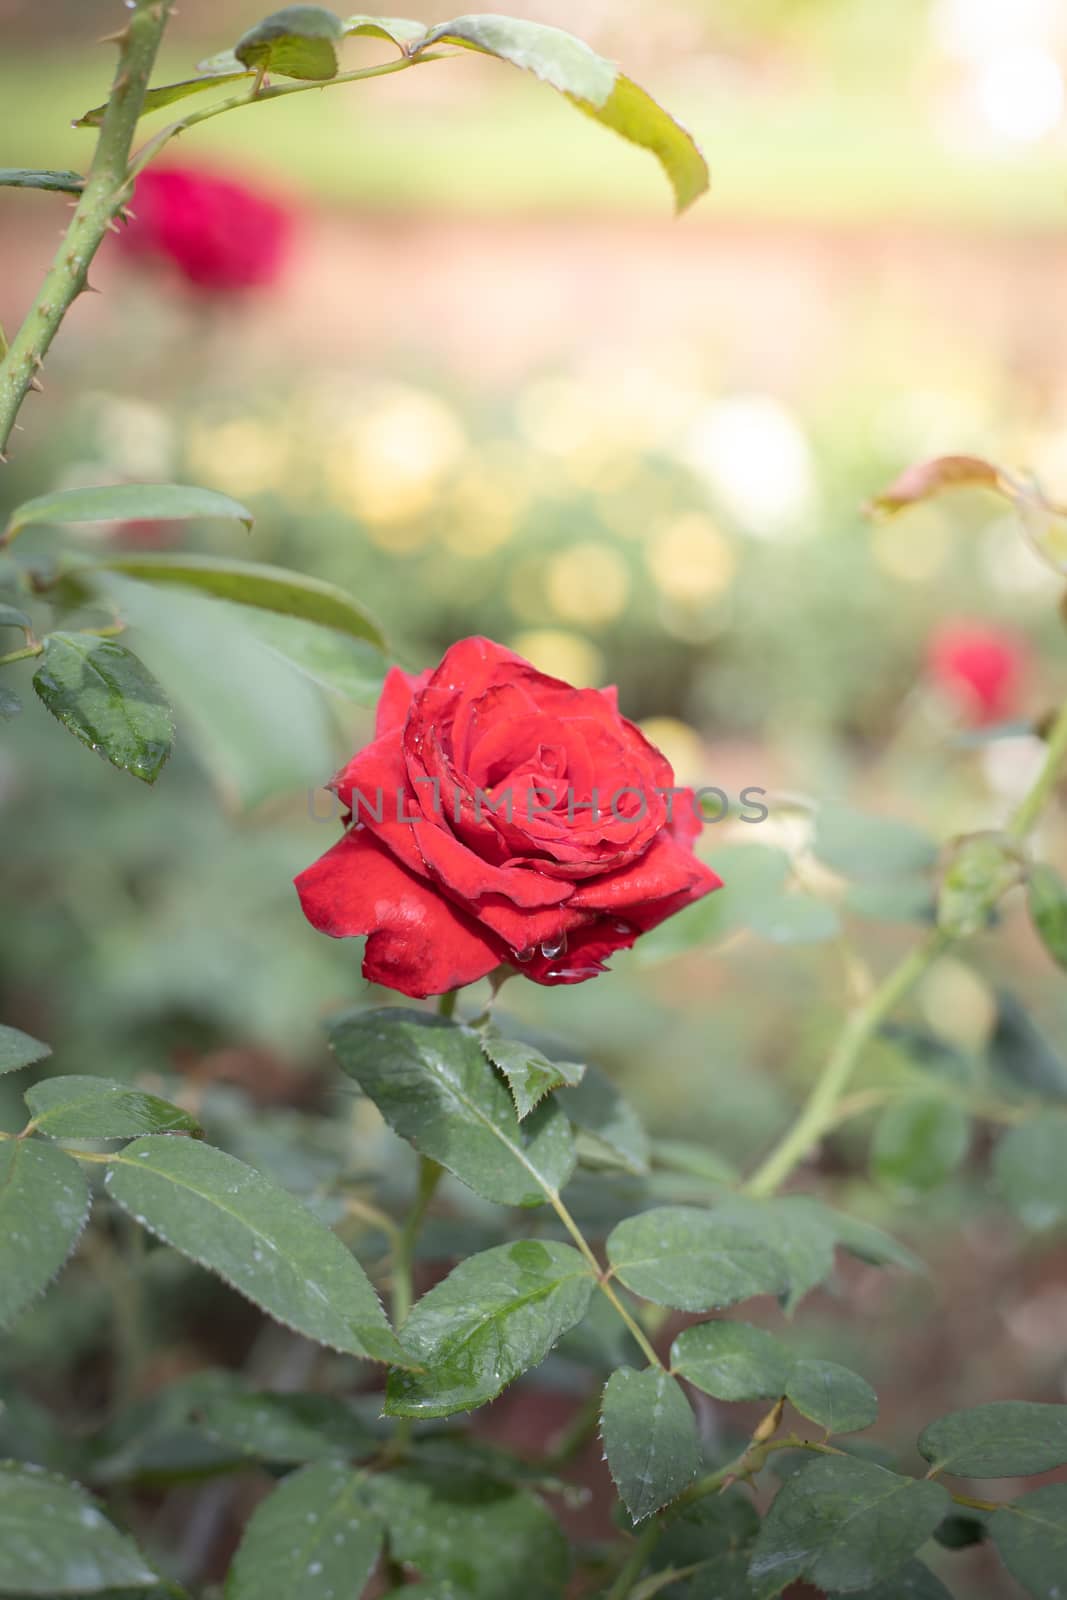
(219, 234)
(981, 668)
(540, 829)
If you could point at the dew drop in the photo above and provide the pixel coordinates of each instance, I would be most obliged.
(551, 948)
(624, 927)
(525, 955)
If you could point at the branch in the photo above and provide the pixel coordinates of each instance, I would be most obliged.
(107, 188)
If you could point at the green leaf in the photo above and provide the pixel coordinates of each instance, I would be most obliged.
(12, 617)
(123, 502)
(914, 1581)
(650, 1438)
(100, 1108)
(530, 1074)
(592, 84)
(868, 1243)
(1031, 1537)
(838, 1400)
(269, 588)
(395, 30)
(899, 900)
(1006, 1439)
(18, 1050)
(694, 1160)
(803, 1235)
(54, 1540)
(732, 1361)
(108, 699)
(919, 1142)
(10, 704)
(28, 178)
(1030, 1166)
(285, 1428)
(861, 846)
(269, 733)
(435, 1088)
(298, 42)
(469, 1535)
(315, 1536)
(167, 93)
(334, 661)
(1047, 895)
(44, 1205)
(494, 1317)
(614, 1135)
(843, 1523)
(1021, 1053)
(693, 1260)
(260, 1239)
(632, 113)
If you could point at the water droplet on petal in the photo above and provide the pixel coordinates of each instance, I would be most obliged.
(525, 955)
(625, 927)
(551, 948)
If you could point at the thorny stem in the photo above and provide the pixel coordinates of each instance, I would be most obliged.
(821, 1111)
(107, 187)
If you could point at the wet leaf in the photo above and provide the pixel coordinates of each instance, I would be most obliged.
(494, 1317)
(257, 1237)
(44, 1205)
(108, 699)
(650, 1438)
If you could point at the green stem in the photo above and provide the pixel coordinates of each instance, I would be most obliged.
(106, 189)
(257, 96)
(634, 1564)
(446, 1003)
(430, 1175)
(819, 1112)
(21, 655)
(1032, 805)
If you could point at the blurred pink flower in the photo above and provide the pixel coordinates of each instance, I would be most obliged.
(978, 666)
(222, 236)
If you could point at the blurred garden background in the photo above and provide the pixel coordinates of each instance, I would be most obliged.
(492, 387)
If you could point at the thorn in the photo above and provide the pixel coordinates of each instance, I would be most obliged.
(37, 386)
(90, 288)
(38, 362)
(3, 460)
(120, 37)
(18, 427)
(113, 226)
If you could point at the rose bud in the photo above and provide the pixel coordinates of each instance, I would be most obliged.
(979, 667)
(502, 817)
(220, 235)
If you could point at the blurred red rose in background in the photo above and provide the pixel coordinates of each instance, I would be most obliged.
(978, 666)
(220, 235)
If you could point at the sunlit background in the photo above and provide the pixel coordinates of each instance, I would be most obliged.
(497, 389)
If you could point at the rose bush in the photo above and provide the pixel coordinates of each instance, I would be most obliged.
(502, 817)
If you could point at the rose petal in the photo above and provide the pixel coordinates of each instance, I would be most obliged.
(395, 703)
(418, 942)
